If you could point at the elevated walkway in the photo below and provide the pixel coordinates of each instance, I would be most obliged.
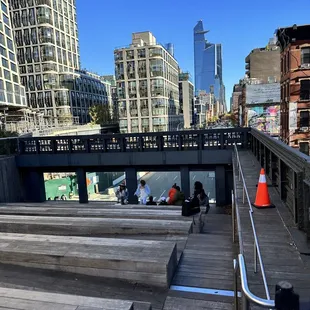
(280, 256)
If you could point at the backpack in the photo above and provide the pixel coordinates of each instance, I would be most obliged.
(188, 210)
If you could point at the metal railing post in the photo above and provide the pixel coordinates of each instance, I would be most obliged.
(233, 207)
(235, 279)
(243, 194)
(245, 302)
(255, 258)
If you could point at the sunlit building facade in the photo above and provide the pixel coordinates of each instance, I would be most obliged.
(147, 77)
(12, 93)
(46, 37)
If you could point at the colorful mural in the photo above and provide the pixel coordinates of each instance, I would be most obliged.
(266, 119)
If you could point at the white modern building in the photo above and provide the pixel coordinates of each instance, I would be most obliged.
(186, 89)
(46, 38)
(12, 94)
(147, 86)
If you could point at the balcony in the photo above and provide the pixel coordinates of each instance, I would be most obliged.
(43, 2)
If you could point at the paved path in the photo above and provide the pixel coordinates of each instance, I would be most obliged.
(280, 256)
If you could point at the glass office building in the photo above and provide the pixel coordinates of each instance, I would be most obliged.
(208, 64)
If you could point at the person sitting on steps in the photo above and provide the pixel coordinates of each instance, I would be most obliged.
(151, 202)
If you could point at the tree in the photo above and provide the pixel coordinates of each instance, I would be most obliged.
(8, 146)
(100, 114)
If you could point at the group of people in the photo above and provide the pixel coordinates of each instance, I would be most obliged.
(175, 196)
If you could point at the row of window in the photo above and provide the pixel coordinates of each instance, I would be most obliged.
(304, 93)
(286, 59)
(47, 53)
(120, 55)
(157, 67)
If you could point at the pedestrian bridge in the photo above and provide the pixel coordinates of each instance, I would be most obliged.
(233, 257)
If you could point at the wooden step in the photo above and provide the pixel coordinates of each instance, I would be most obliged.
(90, 205)
(141, 261)
(24, 300)
(96, 212)
(73, 226)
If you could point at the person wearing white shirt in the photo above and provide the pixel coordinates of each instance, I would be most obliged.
(143, 192)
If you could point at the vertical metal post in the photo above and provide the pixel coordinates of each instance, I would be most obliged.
(245, 303)
(235, 262)
(233, 207)
(243, 193)
(255, 258)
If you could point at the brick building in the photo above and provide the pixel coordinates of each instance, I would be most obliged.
(295, 85)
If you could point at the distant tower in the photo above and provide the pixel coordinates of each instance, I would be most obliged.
(170, 48)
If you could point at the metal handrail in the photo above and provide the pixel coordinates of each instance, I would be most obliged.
(257, 252)
(265, 303)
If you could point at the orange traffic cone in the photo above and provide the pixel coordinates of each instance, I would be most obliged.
(262, 196)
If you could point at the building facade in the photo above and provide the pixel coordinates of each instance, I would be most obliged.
(295, 86)
(186, 89)
(46, 37)
(12, 93)
(85, 90)
(236, 101)
(208, 65)
(263, 64)
(147, 86)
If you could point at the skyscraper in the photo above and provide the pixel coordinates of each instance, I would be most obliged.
(47, 50)
(208, 65)
(12, 94)
(147, 78)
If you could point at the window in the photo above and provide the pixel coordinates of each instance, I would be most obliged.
(305, 90)
(7, 74)
(8, 31)
(6, 19)
(2, 39)
(305, 55)
(3, 51)
(5, 63)
(12, 56)
(304, 147)
(304, 118)
(10, 44)
(4, 8)
(13, 67)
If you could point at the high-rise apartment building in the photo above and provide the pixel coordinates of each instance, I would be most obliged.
(12, 93)
(208, 65)
(186, 89)
(147, 78)
(46, 37)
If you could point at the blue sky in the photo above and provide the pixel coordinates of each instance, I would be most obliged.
(239, 25)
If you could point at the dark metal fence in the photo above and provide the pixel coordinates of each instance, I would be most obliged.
(163, 141)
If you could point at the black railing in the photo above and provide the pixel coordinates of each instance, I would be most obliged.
(163, 141)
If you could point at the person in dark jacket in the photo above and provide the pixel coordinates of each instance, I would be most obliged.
(179, 197)
(151, 202)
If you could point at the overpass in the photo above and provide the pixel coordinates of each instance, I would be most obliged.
(183, 151)
(264, 239)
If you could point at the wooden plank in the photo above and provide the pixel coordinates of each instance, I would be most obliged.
(30, 300)
(91, 226)
(95, 212)
(142, 261)
(178, 303)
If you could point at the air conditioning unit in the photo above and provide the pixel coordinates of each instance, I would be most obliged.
(305, 66)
